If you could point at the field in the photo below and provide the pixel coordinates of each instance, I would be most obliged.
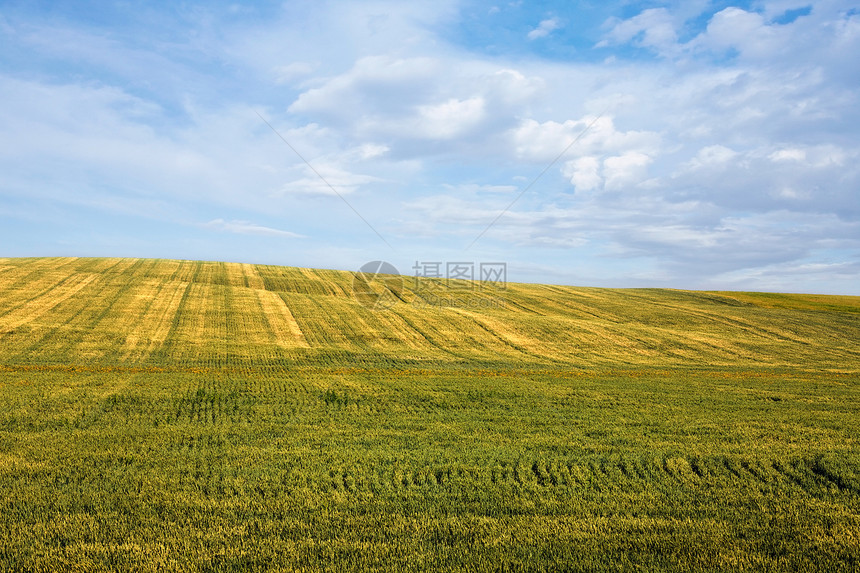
(197, 416)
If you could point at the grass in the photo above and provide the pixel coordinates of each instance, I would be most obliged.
(189, 416)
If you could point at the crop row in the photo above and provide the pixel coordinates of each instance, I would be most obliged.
(817, 475)
(208, 465)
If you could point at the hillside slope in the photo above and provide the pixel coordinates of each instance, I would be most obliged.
(151, 312)
(188, 416)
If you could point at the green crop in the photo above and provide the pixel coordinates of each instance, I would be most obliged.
(191, 416)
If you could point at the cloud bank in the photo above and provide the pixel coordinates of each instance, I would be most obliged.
(722, 150)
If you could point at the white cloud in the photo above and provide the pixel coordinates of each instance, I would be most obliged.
(733, 156)
(451, 118)
(544, 29)
(623, 171)
(792, 154)
(584, 173)
(403, 100)
(246, 228)
(712, 155)
(326, 179)
(747, 32)
(653, 28)
(542, 142)
(608, 159)
(371, 150)
(375, 84)
(820, 156)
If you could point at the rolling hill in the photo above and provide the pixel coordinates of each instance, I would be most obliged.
(132, 311)
(160, 415)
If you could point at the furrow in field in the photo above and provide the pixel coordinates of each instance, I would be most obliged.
(163, 270)
(234, 275)
(44, 303)
(72, 328)
(306, 314)
(514, 302)
(608, 475)
(198, 331)
(705, 346)
(243, 275)
(447, 331)
(769, 330)
(31, 280)
(94, 318)
(594, 339)
(424, 331)
(213, 273)
(247, 327)
(398, 328)
(328, 282)
(507, 334)
(774, 330)
(348, 325)
(39, 266)
(306, 281)
(281, 322)
(107, 266)
(843, 303)
(252, 277)
(154, 320)
(178, 271)
(129, 311)
(78, 327)
(572, 303)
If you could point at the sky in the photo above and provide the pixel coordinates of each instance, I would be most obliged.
(694, 145)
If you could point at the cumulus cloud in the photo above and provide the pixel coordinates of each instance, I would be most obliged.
(605, 158)
(543, 141)
(449, 119)
(624, 170)
(401, 104)
(584, 173)
(746, 32)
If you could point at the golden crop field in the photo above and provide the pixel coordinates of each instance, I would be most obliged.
(160, 415)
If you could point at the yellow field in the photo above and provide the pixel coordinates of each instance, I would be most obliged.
(199, 312)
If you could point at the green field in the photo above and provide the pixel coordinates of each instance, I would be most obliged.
(192, 416)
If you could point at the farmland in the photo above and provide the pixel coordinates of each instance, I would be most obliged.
(164, 415)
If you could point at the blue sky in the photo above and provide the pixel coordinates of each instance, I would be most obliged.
(715, 144)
